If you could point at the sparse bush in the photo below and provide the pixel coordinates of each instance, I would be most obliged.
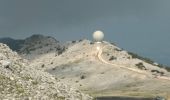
(165, 67)
(168, 69)
(117, 49)
(7, 66)
(158, 72)
(56, 78)
(83, 77)
(32, 49)
(142, 58)
(162, 73)
(61, 98)
(80, 40)
(27, 51)
(148, 61)
(58, 48)
(73, 41)
(40, 47)
(112, 58)
(155, 71)
(35, 82)
(47, 44)
(42, 65)
(53, 68)
(141, 66)
(113, 44)
(91, 43)
(63, 78)
(61, 50)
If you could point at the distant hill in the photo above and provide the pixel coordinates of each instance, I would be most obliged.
(15, 45)
(36, 45)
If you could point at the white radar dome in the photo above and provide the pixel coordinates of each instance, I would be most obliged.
(98, 36)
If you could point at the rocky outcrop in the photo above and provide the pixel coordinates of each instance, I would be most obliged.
(19, 80)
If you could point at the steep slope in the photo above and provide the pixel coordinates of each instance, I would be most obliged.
(81, 66)
(21, 81)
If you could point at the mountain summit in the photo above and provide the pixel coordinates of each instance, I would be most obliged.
(99, 69)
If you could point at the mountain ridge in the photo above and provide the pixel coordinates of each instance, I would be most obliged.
(110, 71)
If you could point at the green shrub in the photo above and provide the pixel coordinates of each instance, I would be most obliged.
(142, 58)
(82, 77)
(73, 41)
(91, 43)
(42, 65)
(148, 61)
(168, 69)
(35, 82)
(141, 66)
(117, 49)
(112, 58)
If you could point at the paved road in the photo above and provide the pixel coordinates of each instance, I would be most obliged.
(122, 98)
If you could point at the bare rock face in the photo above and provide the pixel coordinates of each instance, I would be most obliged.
(19, 80)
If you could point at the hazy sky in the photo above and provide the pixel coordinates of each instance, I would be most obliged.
(141, 26)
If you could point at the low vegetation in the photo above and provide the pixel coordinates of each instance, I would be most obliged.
(112, 58)
(148, 61)
(91, 43)
(73, 41)
(157, 72)
(117, 49)
(141, 66)
(42, 65)
(83, 77)
(142, 58)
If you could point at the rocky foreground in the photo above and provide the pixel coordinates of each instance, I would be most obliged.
(19, 80)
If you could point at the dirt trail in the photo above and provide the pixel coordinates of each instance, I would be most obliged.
(100, 51)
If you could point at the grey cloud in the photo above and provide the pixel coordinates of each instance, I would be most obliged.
(136, 25)
(63, 13)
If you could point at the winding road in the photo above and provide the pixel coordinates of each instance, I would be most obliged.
(100, 51)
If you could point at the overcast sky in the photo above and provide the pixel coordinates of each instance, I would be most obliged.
(141, 26)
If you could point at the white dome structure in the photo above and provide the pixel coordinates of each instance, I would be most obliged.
(98, 36)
